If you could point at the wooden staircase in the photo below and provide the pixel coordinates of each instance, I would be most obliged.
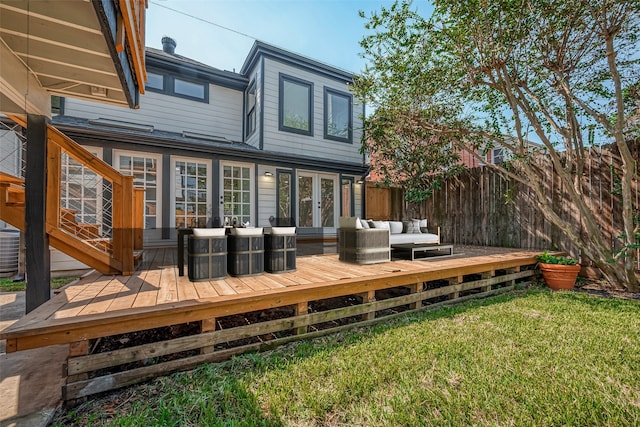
(114, 249)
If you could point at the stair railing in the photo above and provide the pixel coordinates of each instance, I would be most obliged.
(112, 229)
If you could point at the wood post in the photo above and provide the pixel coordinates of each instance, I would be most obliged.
(487, 275)
(38, 262)
(455, 281)
(76, 349)
(368, 297)
(513, 270)
(300, 309)
(138, 218)
(415, 288)
(128, 222)
(207, 325)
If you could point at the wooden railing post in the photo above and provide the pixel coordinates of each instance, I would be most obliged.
(128, 223)
(138, 218)
(116, 220)
(54, 184)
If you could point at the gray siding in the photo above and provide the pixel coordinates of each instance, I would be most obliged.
(222, 116)
(316, 145)
(267, 195)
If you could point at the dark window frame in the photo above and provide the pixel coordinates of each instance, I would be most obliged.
(497, 155)
(329, 92)
(291, 193)
(294, 80)
(250, 115)
(169, 87)
(155, 89)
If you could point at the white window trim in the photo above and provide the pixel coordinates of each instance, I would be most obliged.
(158, 157)
(172, 190)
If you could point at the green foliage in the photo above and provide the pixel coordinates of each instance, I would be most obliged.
(542, 79)
(547, 258)
(8, 285)
(536, 359)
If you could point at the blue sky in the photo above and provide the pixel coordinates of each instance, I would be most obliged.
(328, 31)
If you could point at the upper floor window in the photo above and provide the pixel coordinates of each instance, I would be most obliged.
(337, 115)
(251, 108)
(190, 89)
(155, 81)
(498, 155)
(296, 103)
(177, 86)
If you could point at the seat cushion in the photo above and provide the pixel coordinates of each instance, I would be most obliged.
(395, 239)
(209, 232)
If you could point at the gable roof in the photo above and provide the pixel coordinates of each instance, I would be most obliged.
(263, 49)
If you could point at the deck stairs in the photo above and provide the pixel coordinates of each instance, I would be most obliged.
(113, 246)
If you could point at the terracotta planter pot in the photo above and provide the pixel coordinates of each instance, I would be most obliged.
(559, 277)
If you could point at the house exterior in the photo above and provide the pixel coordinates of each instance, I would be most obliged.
(276, 143)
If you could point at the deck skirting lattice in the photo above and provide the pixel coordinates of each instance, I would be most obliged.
(85, 372)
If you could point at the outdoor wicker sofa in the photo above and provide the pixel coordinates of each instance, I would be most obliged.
(368, 242)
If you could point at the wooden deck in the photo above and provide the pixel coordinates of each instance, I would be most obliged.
(99, 306)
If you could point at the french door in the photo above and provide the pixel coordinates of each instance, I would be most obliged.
(317, 196)
(236, 193)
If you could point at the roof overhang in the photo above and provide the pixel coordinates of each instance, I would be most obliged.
(92, 50)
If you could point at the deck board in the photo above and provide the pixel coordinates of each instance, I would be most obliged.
(99, 305)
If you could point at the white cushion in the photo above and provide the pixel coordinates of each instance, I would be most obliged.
(394, 239)
(380, 224)
(247, 231)
(364, 223)
(276, 231)
(395, 227)
(349, 222)
(208, 232)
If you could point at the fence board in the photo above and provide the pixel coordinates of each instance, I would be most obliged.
(482, 207)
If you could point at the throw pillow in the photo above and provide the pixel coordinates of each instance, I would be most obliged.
(395, 227)
(413, 227)
(364, 223)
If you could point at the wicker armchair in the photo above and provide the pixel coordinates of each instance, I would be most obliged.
(362, 246)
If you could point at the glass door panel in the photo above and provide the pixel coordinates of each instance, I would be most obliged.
(305, 201)
(236, 193)
(327, 202)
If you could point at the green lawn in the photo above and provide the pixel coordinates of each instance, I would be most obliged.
(8, 285)
(528, 358)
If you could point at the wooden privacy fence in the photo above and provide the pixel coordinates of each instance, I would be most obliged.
(483, 207)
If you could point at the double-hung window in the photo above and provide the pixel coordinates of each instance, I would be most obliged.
(337, 115)
(296, 104)
(251, 108)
